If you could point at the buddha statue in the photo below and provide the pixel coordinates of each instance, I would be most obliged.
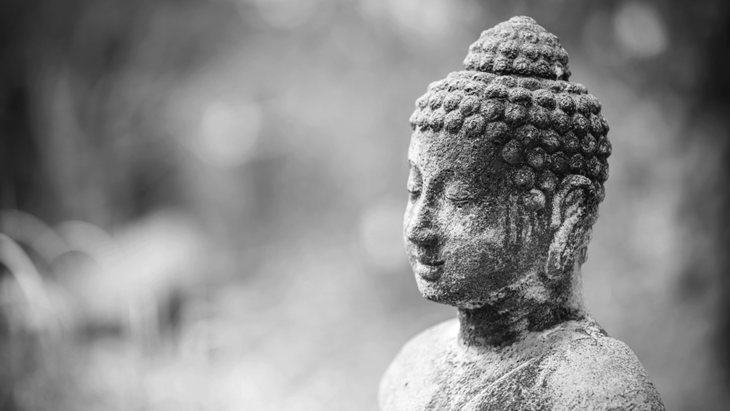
(508, 159)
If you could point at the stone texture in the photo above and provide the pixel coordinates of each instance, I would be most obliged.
(508, 161)
(573, 366)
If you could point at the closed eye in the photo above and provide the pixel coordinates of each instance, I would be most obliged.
(460, 201)
(414, 192)
(459, 192)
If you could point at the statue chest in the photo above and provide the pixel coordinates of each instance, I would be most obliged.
(445, 383)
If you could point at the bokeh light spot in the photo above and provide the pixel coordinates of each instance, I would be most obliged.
(640, 30)
(228, 132)
(380, 234)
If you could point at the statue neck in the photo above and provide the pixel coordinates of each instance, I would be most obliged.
(526, 307)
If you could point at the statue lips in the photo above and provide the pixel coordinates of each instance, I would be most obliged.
(428, 266)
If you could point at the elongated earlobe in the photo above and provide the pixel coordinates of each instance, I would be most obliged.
(569, 207)
(568, 185)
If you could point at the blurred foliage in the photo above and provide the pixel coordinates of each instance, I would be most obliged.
(202, 199)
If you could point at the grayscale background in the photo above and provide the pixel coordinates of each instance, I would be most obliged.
(201, 200)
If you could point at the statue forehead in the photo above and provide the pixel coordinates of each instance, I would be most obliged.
(437, 152)
(445, 146)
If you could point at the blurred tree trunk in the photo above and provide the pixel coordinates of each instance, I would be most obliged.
(22, 181)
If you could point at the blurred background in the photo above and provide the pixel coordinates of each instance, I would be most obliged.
(201, 200)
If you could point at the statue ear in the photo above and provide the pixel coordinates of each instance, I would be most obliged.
(568, 222)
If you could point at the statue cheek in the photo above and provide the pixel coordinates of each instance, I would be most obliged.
(493, 235)
(473, 223)
(480, 236)
(477, 252)
(459, 230)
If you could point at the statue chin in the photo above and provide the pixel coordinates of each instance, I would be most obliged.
(451, 294)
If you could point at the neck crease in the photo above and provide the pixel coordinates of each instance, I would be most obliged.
(530, 306)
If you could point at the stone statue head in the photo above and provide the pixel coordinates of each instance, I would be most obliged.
(507, 166)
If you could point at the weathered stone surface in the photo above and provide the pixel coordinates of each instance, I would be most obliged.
(508, 160)
(573, 366)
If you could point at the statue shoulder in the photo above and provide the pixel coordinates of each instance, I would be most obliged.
(583, 370)
(599, 372)
(408, 378)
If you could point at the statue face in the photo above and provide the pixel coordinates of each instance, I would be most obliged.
(465, 234)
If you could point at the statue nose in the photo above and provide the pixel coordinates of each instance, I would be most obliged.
(420, 228)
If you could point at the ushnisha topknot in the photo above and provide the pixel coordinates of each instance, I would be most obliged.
(515, 92)
(519, 46)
